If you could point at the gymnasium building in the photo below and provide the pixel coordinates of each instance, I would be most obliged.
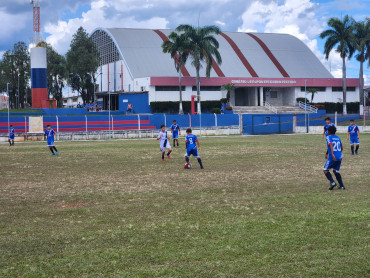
(268, 70)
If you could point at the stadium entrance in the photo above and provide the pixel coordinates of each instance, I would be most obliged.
(257, 96)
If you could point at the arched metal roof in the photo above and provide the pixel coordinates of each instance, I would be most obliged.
(243, 54)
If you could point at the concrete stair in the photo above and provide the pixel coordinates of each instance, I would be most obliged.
(264, 110)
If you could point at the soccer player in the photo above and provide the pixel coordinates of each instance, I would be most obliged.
(191, 142)
(354, 133)
(175, 129)
(163, 142)
(11, 136)
(49, 133)
(334, 160)
(325, 133)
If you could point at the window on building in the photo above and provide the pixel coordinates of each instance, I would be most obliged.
(207, 88)
(318, 89)
(340, 89)
(273, 94)
(168, 88)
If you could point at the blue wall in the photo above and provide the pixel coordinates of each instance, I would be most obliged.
(139, 101)
(267, 123)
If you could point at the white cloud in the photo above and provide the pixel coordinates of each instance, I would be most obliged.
(294, 17)
(7, 29)
(61, 33)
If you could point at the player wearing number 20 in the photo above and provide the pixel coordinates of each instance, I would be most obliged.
(191, 142)
(334, 160)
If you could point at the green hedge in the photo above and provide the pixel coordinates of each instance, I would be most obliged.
(172, 107)
(331, 107)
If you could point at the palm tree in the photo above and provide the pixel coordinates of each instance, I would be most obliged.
(313, 92)
(203, 46)
(228, 87)
(362, 44)
(340, 34)
(178, 46)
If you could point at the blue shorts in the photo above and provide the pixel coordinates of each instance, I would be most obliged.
(11, 137)
(50, 142)
(175, 135)
(354, 140)
(193, 152)
(332, 165)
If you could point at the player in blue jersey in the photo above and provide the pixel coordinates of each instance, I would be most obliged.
(49, 134)
(192, 142)
(175, 129)
(354, 133)
(163, 142)
(334, 160)
(325, 133)
(11, 136)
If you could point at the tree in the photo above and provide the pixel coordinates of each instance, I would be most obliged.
(56, 74)
(178, 46)
(340, 34)
(228, 87)
(203, 46)
(362, 44)
(313, 92)
(16, 69)
(82, 62)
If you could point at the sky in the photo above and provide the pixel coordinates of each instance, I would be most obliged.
(304, 19)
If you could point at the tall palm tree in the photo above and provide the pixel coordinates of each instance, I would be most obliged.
(362, 44)
(340, 34)
(203, 47)
(178, 46)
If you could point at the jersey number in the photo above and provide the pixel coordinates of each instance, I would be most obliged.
(336, 147)
(191, 141)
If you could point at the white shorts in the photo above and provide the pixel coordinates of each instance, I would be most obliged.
(163, 145)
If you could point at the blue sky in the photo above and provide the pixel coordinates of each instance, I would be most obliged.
(304, 19)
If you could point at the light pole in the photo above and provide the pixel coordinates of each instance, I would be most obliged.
(109, 107)
(7, 90)
(305, 104)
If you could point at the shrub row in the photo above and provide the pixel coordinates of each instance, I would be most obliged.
(172, 107)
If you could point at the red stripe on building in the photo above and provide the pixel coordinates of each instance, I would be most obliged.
(184, 71)
(217, 68)
(240, 55)
(270, 55)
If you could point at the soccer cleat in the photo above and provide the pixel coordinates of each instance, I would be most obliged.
(57, 153)
(356, 153)
(169, 157)
(332, 185)
(163, 160)
(201, 167)
(341, 187)
(186, 165)
(52, 154)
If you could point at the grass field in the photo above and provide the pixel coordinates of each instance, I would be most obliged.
(260, 208)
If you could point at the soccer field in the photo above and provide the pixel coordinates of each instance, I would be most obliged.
(260, 208)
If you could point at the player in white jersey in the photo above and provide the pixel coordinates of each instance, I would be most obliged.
(164, 142)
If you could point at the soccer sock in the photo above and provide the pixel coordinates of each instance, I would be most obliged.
(187, 159)
(352, 149)
(200, 162)
(10, 142)
(357, 148)
(13, 142)
(51, 149)
(339, 178)
(329, 177)
(55, 148)
(162, 155)
(168, 154)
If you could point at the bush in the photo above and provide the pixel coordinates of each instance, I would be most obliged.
(302, 99)
(216, 111)
(172, 107)
(332, 107)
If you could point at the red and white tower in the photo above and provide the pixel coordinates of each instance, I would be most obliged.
(40, 98)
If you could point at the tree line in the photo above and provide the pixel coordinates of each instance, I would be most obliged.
(75, 69)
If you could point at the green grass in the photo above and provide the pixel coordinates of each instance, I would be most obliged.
(261, 208)
(21, 111)
(357, 122)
